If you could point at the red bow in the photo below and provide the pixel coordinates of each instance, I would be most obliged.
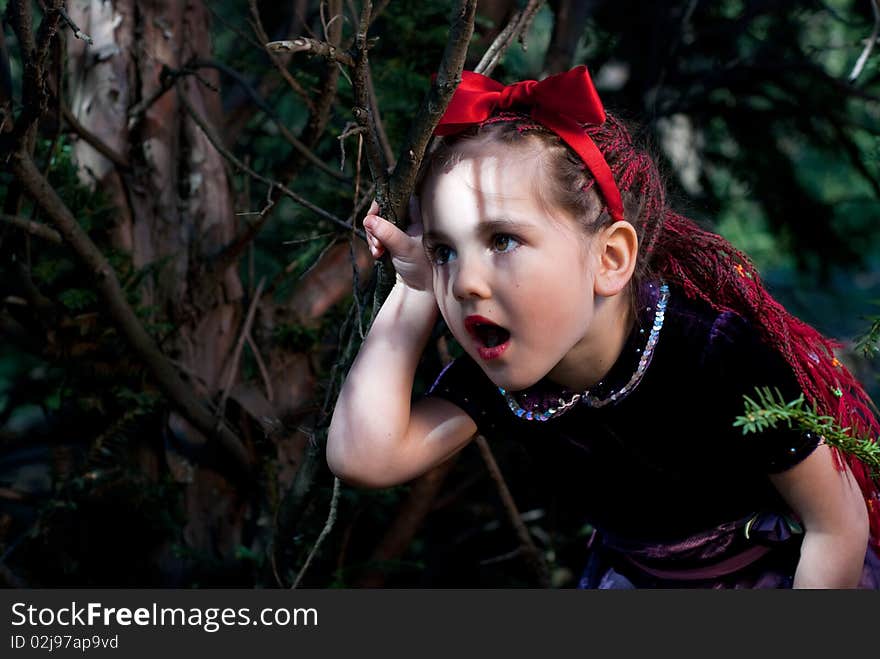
(561, 103)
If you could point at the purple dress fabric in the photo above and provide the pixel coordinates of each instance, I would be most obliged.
(678, 496)
(776, 537)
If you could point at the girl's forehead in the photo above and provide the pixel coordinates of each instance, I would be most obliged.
(504, 183)
(492, 175)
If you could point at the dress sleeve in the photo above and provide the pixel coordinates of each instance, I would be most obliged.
(740, 360)
(464, 384)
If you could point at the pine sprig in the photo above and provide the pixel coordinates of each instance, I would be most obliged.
(771, 410)
(869, 343)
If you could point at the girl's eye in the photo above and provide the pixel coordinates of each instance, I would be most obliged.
(440, 254)
(501, 242)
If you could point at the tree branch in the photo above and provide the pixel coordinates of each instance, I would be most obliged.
(179, 393)
(318, 118)
(432, 109)
(517, 26)
(47, 31)
(259, 30)
(79, 34)
(410, 517)
(363, 114)
(19, 16)
(872, 40)
(273, 185)
(328, 526)
(265, 107)
(34, 228)
(394, 196)
(387, 151)
(93, 140)
(536, 560)
(313, 47)
(236, 353)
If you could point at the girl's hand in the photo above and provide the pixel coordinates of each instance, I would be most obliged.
(407, 253)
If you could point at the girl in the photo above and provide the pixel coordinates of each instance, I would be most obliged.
(592, 317)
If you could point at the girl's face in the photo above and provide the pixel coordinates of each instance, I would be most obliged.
(513, 279)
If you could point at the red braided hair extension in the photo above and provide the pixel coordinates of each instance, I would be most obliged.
(708, 267)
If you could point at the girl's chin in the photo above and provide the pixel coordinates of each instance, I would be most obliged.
(509, 381)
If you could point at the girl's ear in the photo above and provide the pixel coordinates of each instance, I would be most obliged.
(617, 248)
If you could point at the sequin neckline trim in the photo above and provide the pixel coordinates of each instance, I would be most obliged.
(561, 405)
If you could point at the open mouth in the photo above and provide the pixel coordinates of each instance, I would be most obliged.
(491, 339)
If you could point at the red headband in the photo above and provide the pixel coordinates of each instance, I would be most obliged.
(561, 103)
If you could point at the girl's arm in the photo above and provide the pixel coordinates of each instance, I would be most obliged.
(832, 509)
(376, 438)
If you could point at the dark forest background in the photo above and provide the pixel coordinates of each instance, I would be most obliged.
(183, 281)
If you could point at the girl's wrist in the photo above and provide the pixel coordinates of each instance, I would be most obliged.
(427, 292)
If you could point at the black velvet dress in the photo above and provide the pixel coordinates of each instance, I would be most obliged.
(677, 494)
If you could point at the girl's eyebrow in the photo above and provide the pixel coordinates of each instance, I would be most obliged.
(488, 227)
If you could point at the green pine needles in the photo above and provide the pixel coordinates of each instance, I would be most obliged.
(771, 410)
(869, 343)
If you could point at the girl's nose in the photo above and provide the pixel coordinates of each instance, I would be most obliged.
(470, 280)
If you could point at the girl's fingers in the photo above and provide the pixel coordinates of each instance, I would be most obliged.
(374, 245)
(388, 235)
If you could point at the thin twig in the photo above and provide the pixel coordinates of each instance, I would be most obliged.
(273, 185)
(264, 373)
(380, 7)
(166, 82)
(313, 47)
(323, 104)
(355, 279)
(532, 554)
(515, 28)
(93, 140)
(18, 13)
(863, 58)
(295, 142)
(79, 34)
(260, 31)
(47, 31)
(34, 228)
(363, 113)
(232, 366)
(381, 133)
(328, 526)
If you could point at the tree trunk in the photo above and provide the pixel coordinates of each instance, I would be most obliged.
(175, 208)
